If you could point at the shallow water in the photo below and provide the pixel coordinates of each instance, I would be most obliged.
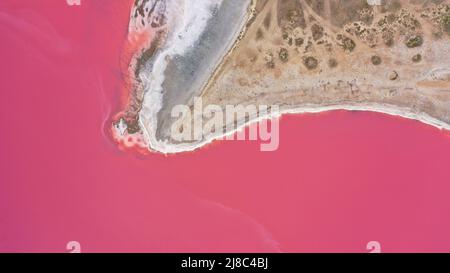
(338, 181)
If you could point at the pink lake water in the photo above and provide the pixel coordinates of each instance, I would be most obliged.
(339, 180)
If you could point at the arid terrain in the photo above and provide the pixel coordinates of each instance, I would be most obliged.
(317, 55)
(332, 53)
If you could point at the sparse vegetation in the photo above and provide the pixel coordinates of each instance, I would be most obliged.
(299, 41)
(388, 38)
(270, 64)
(310, 63)
(376, 60)
(283, 55)
(417, 58)
(446, 23)
(393, 76)
(349, 44)
(332, 63)
(317, 31)
(414, 41)
(346, 43)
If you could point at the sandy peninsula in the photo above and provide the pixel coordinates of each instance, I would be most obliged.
(302, 56)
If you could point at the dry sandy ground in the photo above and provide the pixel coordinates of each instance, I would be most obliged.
(342, 54)
(317, 55)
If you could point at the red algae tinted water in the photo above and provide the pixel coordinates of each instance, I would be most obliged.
(338, 181)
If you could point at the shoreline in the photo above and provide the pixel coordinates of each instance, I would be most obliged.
(152, 107)
(154, 116)
(168, 148)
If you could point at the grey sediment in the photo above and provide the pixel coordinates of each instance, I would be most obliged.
(187, 75)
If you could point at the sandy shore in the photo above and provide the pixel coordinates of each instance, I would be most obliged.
(180, 70)
(297, 56)
(172, 148)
